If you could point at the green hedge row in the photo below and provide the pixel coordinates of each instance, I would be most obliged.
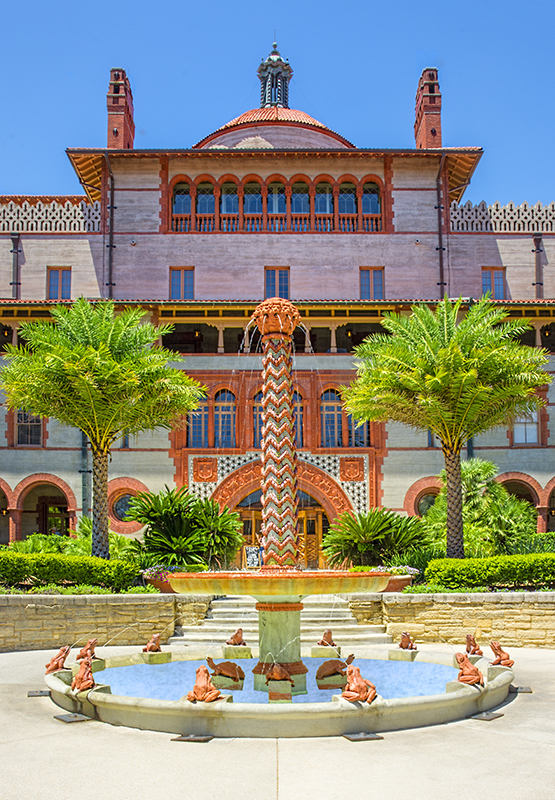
(534, 570)
(16, 568)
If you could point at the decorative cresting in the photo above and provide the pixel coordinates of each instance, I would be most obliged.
(49, 215)
(275, 74)
(511, 218)
(276, 320)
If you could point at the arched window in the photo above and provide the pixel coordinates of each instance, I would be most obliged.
(205, 207)
(277, 207)
(197, 429)
(347, 203)
(331, 419)
(300, 207)
(359, 434)
(205, 198)
(181, 199)
(298, 419)
(371, 203)
(323, 199)
(252, 207)
(229, 207)
(224, 419)
(257, 420)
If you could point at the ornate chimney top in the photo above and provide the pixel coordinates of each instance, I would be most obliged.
(427, 122)
(275, 74)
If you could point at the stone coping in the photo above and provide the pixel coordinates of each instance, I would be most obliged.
(98, 599)
(291, 720)
(458, 597)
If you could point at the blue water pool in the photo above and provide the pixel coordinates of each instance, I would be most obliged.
(172, 681)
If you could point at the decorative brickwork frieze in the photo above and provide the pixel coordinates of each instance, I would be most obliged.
(49, 215)
(503, 219)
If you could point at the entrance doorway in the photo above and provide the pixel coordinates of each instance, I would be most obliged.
(53, 516)
(313, 526)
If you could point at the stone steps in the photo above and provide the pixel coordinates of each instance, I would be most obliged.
(227, 614)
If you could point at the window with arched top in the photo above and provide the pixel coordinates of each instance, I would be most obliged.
(257, 410)
(229, 199)
(277, 207)
(224, 419)
(347, 201)
(331, 418)
(300, 207)
(323, 199)
(371, 203)
(205, 198)
(252, 207)
(181, 199)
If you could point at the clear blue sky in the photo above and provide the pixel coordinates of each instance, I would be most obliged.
(193, 67)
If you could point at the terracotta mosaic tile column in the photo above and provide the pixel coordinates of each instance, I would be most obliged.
(276, 319)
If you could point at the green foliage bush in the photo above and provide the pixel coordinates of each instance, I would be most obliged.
(46, 568)
(516, 571)
(371, 538)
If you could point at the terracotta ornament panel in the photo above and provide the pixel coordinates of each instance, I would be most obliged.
(205, 470)
(351, 469)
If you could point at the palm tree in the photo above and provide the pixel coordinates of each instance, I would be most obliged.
(456, 378)
(102, 373)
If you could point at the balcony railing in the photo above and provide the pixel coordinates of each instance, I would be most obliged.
(276, 223)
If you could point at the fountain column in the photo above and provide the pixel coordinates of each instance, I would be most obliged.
(279, 617)
(276, 319)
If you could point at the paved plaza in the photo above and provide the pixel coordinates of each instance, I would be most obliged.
(43, 759)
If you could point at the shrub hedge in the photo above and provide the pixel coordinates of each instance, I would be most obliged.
(16, 568)
(531, 570)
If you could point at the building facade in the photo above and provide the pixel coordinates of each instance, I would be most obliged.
(273, 203)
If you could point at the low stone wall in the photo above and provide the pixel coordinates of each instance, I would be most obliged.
(41, 622)
(518, 619)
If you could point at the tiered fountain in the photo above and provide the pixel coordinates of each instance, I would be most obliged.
(279, 586)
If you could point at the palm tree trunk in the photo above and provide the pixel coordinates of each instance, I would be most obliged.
(100, 540)
(455, 539)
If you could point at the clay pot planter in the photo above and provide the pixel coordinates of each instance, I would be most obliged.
(398, 582)
(162, 586)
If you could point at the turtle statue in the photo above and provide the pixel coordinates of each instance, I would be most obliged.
(227, 669)
(277, 672)
(334, 666)
(237, 639)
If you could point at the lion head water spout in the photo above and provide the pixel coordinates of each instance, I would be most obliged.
(276, 319)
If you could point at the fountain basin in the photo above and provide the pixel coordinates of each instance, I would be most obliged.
(235, 719)
(282, 585)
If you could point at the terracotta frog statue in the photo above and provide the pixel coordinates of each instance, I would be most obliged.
(57, 662)
(277, 672)
(406, 642)
(226, 668)
(335, 666)
(472, 648)
(327, 639)
(468, 673)
(204, 690)
(154, 645)
(83, 680)
(237, 638)
(358, 688)
(501, 657)
(88, 650)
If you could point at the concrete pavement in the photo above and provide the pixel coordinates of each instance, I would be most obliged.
(43, 759)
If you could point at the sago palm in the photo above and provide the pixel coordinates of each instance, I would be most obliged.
(456, 378)
(102, 373)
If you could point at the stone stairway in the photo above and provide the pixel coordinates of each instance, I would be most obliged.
(229, 613)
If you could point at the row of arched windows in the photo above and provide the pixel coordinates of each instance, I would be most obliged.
(256, 206)
(336, 429)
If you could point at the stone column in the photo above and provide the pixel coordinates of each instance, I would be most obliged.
(221, 348)
(15, 524)
(333, 342)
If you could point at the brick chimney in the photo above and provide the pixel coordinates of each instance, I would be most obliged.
(119, 101)
(427, 122)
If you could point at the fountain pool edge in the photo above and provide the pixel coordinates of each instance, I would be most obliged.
(263, 720)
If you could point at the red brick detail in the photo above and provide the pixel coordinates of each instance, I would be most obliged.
(527, 481)
(10, 496)
(10, 431)
(387, 196)
(318, 484)
(351, 469)
(119, 103)
(205, 470)
(427, 122)
(546, 492)
(164, 195)
(429, 485)
(279, 606)
(116, 488)
(15, 525)
(277, 696)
